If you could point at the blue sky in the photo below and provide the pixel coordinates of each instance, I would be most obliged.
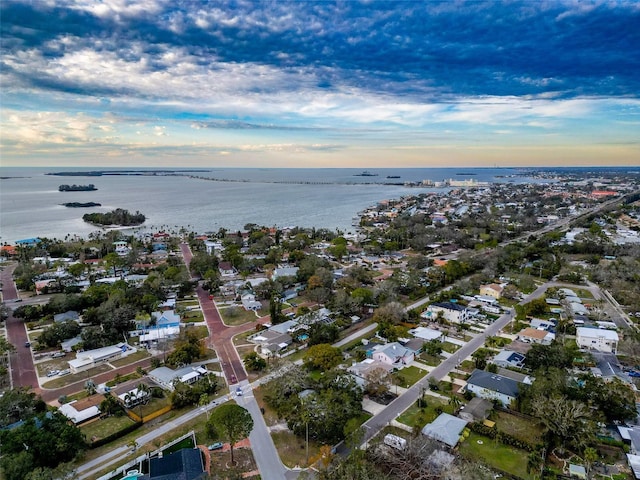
(319, 84)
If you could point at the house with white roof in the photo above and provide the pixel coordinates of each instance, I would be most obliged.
(284, 272)
(79, 411)
(426, 334)
(597, 339)
(91, 358)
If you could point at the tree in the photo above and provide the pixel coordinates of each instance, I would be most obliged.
(322, 357)
(590, 456)
(254, 362)
(377, 382)
(567, 422)
(231, 422)
(392, 312)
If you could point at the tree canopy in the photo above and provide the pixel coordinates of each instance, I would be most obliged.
(231, 422)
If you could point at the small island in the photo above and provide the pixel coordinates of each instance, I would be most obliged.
(118, 217)
(81, 205)
(77, 188)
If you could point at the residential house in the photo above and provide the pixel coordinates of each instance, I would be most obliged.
(272, 341)
(414, 345)
(249, 302)
(509, 359)
(79, 411)
(476, 410)
(166, 378)
(426, 334)
(492, 386)
(492, 290)
(533, 335)
(185, 464)
(71, 315)
(226, 269)
(284, 272)
(91, 358)
(452, 312)
(393, 354)
(134, 397)
(446, 429)
(597, 339)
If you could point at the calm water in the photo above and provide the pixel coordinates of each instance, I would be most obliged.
(30, 201)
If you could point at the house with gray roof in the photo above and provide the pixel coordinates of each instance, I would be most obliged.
(393, 354)
(492, 386)
(165, 377)
(446, 429)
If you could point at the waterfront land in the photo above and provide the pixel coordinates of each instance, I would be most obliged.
(333, 341)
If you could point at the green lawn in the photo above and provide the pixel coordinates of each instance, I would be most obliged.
(410, 375)
(237, 315)
(512, 460)
(519, 427)
(104, 427)
(134, 357)
(450, 347)
(430, 360)
(415, 415)
(194, 316)
(292, 449)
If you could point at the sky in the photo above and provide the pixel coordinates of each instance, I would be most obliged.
(371, 84)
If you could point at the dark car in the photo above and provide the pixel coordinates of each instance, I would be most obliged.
(233, 379)
(27, 344)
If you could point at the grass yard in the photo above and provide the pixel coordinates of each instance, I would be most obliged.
(270, 416)
(450, 347)
(292, 449)
(134, 357)
(194, 316)
(409, 376)
(430, 360)
(512, 460)
(519, 427)
(237, 315)
(415, 415)
(104, 427)
(154, 405)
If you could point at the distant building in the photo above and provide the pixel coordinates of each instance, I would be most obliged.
(597, 339)
(452, 312)
(492, 290)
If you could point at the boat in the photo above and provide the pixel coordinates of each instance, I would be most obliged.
(393, 176)
(366, 173)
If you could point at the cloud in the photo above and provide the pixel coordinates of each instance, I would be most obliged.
(369, 71)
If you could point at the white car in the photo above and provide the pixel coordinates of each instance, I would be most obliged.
(53, 373)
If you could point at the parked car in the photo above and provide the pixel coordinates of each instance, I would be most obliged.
(27, 344)
(58, 354)
(67, 372)
(53, 373)
(216, 446)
